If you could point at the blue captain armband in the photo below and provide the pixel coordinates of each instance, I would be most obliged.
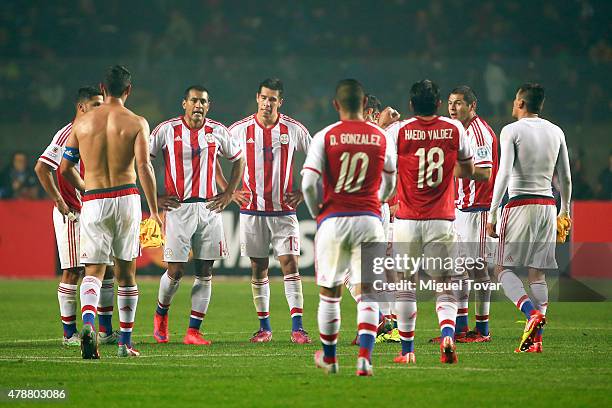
(72, 154)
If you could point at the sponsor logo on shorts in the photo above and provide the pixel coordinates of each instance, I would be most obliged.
(84, 255)
(509, 258)
(168, 252)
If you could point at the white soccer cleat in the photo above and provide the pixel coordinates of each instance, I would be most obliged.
(72, 341)
(127, 351)
(364, 367)
(332, 368)
(104, 338)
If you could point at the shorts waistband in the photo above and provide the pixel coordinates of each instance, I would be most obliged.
(473, 209)
(112, 192)
(195, 200)
(267, 213)
(525, 199)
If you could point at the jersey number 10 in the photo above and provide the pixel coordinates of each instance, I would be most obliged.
(434, 160)
(348, 167)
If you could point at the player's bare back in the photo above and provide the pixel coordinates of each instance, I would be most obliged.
(106, 141)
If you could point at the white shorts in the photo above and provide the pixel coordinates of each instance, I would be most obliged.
(338, 248)
(110, 225)
(472, 230)
(258, 232)
(67, 236)
(528, 234)
(193, 226)
(434, 241)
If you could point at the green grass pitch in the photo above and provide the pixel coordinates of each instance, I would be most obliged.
(572, 371)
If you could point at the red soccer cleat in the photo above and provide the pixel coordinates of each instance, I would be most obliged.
(364, 367)
(160, 328)
(408, 358)
(536, 321)
(473, 336)
(194, 336)
(261, 336)
(355, 341)
(300, 337)
(448, 351)
(534, 348)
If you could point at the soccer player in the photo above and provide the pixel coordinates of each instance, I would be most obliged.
(269, 140)
(429, 147)
(532, 149)
(109, 140)
(66, 224)
(472, 202)
(357, 164)
(190, 144)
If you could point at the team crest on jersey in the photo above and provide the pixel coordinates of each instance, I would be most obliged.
(481, 152)
(284, 138)
(209, 138)
(55, 149)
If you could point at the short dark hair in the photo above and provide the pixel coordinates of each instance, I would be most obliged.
(86, 93)
(117, 79)
(199, 88)
(468, 93)
(373, 103)
(274, 84)
(424, 96)
(350, 94)
(533, 94)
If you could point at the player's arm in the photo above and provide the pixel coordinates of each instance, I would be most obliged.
(295, 197)
(502, 179)
(144, 167)
(311, 173)
(69, 161)
(464, 168)
(387, 186)
(156, 143)
(44, 172)
(388, 117)
(565, 177)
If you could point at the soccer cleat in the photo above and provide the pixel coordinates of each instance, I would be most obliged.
(261, 336)
(104, 338)
(72, 341)
(534, 348)
(89, 343)
(474, 336)
(300, 337)
(394, 336)
(408, 358)
(127, 351)
(382, 338)
(160, 328)
(458, 337)
(448, 351)
(329, 368)
(194, 336)
(364, 367)
(535, 322)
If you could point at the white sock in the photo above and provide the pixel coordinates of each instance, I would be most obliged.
(200, 296)
(483, 300)
(167, 290)
(293, 293)
(127, 301)
(90, 296)
(446, 308)
(539, 291)
(261, 297)
(463, 298)
(66, 296)
(513, 287)
(406, 310)
(329, 319)
(107, 297)
(367, 317)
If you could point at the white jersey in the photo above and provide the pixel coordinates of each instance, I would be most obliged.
(190, 156)
(268, 174)
(531, 150)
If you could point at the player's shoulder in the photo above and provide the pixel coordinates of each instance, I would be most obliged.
(62, 134)
(454, 122)
(327, 129)
(375, 127)
(292, 123)
(396, 126)
(482, 125)
(551, 125)
(167, 124)
(249, 120)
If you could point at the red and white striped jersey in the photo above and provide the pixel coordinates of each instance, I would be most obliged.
(190, 156)
(268, 174)
(53, 157)
(472, 194)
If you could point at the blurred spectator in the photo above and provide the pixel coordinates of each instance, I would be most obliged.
(496, 81)
(605, 181)
(18, 180)
(581, 190)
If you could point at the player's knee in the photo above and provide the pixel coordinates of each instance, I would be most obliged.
(289, 264)
(203, 268)
(71, 276)
(176, 270)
